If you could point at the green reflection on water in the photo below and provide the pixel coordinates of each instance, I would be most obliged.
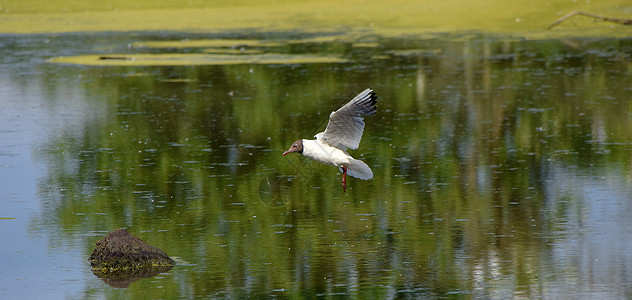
(462, 147)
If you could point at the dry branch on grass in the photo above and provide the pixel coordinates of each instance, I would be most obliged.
(581, 13)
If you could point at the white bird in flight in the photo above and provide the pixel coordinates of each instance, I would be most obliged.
(343, 132)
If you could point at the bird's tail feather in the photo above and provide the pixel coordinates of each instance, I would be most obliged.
(358, 169)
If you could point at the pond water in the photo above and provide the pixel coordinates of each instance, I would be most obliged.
(502, 166)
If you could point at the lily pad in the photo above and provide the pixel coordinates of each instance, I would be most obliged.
(233, 51)
(186, 59)
(366, 45)
(340, 38)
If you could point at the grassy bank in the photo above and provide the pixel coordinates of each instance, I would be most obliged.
(522, 18)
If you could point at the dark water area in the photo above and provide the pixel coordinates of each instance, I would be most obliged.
(502, 168)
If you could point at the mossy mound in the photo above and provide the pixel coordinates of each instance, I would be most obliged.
(119, 251)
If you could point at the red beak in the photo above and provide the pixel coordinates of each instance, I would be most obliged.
(284, 153)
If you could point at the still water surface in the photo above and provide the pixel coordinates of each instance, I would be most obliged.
(502, 168)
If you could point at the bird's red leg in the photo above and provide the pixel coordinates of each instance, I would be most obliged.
(344, 179)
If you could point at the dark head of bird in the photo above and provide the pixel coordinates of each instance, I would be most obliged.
(296, 147)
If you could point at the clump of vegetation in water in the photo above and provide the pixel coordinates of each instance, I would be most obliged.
(119, 253)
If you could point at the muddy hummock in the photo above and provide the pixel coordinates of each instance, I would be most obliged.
(122, 256)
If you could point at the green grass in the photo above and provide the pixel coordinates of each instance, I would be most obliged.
(523, 18)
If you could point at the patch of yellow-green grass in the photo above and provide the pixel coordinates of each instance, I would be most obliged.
(203, 43)
(233, 51)
(349, 37)
(74, 6)
(185, 59)
(397, 17)
(366, 45)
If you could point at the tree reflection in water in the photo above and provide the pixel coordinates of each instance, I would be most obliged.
(501, 169)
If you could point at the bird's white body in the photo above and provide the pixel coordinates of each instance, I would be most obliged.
(323, 153)
(344, 131)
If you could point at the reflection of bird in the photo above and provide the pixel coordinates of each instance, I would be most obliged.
(343, 131)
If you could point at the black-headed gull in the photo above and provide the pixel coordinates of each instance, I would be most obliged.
(343, 131)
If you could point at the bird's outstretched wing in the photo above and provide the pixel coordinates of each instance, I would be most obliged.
(346, 124)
